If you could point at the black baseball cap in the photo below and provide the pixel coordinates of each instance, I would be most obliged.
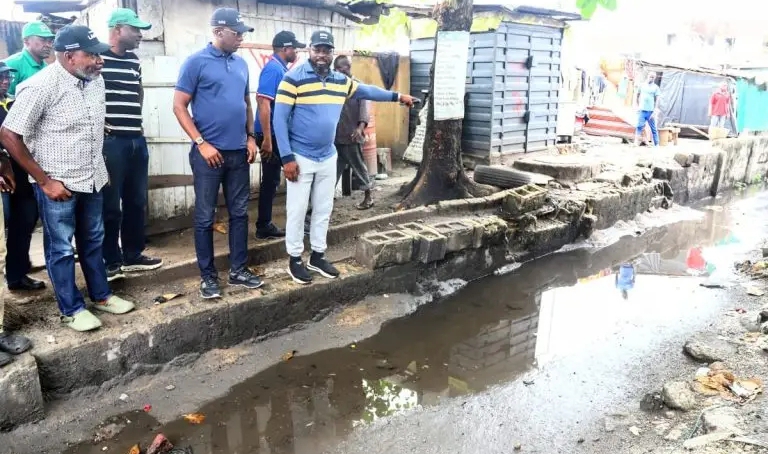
(287, 39)
(229, 17)
(78, 37)
(321, 38)
(4, 68)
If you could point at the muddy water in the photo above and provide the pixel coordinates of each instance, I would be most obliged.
(491, 332)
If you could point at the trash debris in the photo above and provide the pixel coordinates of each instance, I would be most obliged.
(107, 432)
(170, 388)
(160, 445)
(528, 382)
(220, 227)
(194, 418)
(287, 356)
(635, 431)
(165, 298)
(123, 397)
(147, 408)
(754, 291)
(518, 447)
(135, 449)
(724, 383)
(50, 339)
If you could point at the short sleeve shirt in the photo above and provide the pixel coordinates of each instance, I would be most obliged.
(648, 94)
(61, 119)
(25, 65)
(218, 85)
(269, 80)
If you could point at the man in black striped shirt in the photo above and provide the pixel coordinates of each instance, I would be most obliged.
(125, 150)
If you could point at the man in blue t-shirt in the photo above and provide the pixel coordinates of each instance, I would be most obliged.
(625, 279)
(647, 103)
(284, 45)
(214, 81)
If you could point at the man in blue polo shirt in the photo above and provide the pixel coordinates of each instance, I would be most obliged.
(284, 45)
(307, 109)
(214, 81)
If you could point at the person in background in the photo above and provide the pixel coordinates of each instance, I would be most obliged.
(125, 150)
(214, 81)
(55, 132)
(720, 107)
(6, 77)
(307, 109)
(625, 279)
(350, 133)
(647, 104)
(10, 344)
(22, 207)
(284, 45)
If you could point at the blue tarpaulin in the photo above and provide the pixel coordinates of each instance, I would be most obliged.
(751, 111)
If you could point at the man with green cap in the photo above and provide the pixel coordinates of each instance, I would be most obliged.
(125, 149)
(22, 208)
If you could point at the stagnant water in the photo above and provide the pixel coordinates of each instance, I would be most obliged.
(488, 333)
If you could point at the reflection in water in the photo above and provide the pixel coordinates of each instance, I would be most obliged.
(488, 333)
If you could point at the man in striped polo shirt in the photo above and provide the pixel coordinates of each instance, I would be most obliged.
(125, 150)
(307, 110)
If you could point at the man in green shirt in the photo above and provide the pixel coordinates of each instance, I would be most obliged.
(38, 44)
(22, 207)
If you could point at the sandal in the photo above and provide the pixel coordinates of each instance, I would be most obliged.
(364, 206)
(13, 344)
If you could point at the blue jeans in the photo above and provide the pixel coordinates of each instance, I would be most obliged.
(78, 217)
(127, 160)
(235, 178)
(270, 181)
(21, 222)
(646, 116)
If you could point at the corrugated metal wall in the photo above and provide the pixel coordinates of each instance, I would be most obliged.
(513, 80)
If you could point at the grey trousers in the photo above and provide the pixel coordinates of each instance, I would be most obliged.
(352, 155)
(2, 265)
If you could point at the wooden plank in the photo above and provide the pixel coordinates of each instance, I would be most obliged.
(169, 181)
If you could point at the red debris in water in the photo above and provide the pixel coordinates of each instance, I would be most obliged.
(147, 408)
(160, 445)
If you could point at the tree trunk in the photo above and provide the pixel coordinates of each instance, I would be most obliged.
(441, 172)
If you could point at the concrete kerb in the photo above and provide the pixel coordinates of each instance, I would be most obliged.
(21, 400)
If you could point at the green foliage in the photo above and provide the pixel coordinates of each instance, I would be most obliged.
(588, 7)
(390, 26)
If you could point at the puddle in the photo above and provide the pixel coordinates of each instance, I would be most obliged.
(490, 332)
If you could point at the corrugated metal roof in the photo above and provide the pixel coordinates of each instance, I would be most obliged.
(52, 6)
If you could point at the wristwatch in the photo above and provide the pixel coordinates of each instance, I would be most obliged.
(200, 140)
(252, 134)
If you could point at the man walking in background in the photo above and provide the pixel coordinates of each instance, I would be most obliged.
(55, 132)
(125, 150)
(215, 82)
(307, 109)
(284, 45)
(22, 209)
(350, 133)
(720, 107)
(647, 104)
(6, 77)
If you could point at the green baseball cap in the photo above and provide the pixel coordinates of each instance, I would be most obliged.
(125, 16)
(37, 28)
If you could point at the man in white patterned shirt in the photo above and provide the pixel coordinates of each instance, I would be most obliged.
(55, 132)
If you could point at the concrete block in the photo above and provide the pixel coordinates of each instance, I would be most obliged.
(489, 231)
(453, 206)
(524, 199)
(377, 250)
(460, 234)
(429, 245)
(21, 399)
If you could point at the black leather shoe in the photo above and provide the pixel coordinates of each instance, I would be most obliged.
(27, 283)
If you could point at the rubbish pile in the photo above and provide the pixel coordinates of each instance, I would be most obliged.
(160, 445)
(716, 380)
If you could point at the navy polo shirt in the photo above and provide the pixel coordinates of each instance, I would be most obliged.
(269, 80)
(218, 84)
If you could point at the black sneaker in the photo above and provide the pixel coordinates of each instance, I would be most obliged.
(143, 263)
(317, 262)
(209, 288)
(269, 232)
(298, 271)
(245, 278)
(114, 272)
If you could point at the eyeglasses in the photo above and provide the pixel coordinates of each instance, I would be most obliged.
(234, 33)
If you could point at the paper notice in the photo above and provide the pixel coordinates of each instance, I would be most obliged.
(452, 50)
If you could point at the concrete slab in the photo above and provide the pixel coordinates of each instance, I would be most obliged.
(563, 167)
(21, 399)
(378, 250)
